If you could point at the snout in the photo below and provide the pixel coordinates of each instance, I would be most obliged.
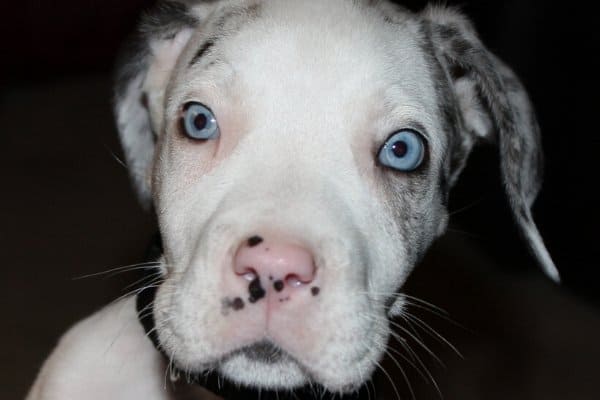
(270, 286)
(262, 261)
(278, 279)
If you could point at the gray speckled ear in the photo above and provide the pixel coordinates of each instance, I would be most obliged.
(138, 87)
(494, 106)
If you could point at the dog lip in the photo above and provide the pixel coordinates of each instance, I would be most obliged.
(264, 351)
(270, 355)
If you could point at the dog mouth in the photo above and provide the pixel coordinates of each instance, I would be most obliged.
(265, 352)
(264, 369)
(224, 387)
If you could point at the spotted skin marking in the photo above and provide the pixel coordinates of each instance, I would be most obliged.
(225, 305)
(315, 291)
(256, 291)
(255, 241)
(278, 285)
(236, 305)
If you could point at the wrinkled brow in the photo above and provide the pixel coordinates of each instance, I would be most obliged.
(203, 50)
(229, 22)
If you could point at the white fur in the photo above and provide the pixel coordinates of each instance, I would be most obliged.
(304, 95)
(211, 198)
(100, 357)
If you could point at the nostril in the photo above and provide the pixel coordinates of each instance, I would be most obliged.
(249, 274)
(295, 281)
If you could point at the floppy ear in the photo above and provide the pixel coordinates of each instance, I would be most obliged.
(144, 69)
(494, 106)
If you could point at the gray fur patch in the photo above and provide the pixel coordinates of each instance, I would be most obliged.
(506, 104)
(161, 22)
(449, 115)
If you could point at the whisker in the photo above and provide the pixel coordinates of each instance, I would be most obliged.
(465, 233)
(139, 172)
(412, 336)
(420, 366)
(412, 301)
(150, 279)
(133, 292)
(467, 207)
(431, 379)
(409, 361)
(389, 379)
(371, 385)
(118, 270)
(397, 363)
(424, 303)
(158, 326)
(115, 157)
(432, 332)
(421, 344)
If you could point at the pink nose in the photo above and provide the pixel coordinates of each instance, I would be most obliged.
(282, 264)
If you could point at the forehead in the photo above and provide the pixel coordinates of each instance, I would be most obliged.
(327, 55)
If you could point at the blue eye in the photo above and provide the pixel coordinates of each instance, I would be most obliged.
(403, 151)
(198, 122)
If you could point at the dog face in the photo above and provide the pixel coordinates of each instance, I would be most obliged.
(299, 157)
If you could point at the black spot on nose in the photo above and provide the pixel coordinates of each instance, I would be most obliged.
(237, 304)
(255, 241)
(315, 291)
(278, 285)
(256, 291)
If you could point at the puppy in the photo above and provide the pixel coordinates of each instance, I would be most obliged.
(299, 157)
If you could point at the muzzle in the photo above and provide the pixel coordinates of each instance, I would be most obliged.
(215, 382)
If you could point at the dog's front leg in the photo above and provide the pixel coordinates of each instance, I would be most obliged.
(105, 356)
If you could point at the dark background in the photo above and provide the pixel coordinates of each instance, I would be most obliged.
(67, 209)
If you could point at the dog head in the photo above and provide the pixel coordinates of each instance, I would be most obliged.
(299, 156)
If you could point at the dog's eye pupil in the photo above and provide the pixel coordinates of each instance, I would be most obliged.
(200, 121)
(404, 151)
(400, 149)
